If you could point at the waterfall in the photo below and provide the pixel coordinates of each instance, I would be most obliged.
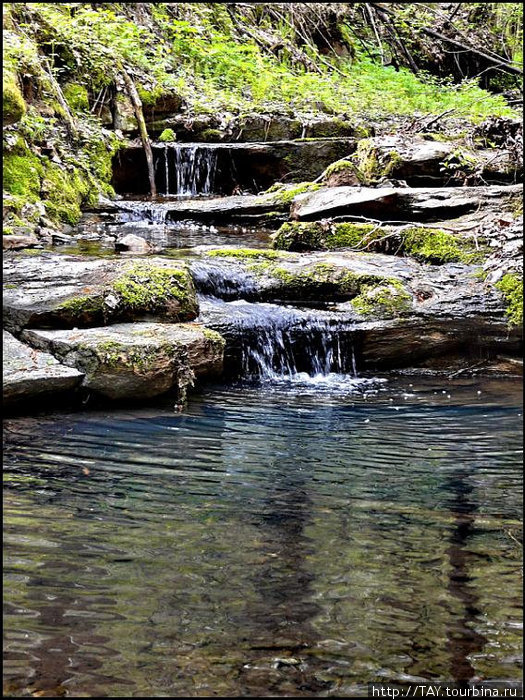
(270, 342)
(194, 167)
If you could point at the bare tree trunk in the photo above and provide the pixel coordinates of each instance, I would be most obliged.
(139, 114)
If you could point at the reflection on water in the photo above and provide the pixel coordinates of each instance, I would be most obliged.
(265, 543)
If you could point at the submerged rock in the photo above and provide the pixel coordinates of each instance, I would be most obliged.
(133, 244)
(136, 360)
(29, 373)
(59, 291)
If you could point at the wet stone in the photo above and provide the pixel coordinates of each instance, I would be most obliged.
(29, 373)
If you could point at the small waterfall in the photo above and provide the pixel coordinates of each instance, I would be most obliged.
(270, 342)
(194, 167)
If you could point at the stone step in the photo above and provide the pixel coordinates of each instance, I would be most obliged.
(135, 360)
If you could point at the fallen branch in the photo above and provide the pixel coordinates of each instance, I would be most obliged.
(139, 114)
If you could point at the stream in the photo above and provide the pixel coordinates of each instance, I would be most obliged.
(274, 540)
(303, 530)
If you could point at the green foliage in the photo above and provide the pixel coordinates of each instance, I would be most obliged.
(77, 97)
(167, 136)
(511, 285)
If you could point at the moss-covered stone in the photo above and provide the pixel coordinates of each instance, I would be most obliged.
(299, 236)
(245, 253)
(211, 135)
(64, 192)
(511, 285)
(147, 287)
(22, 173)
(286, 193)
(373, 164)
(383, 300)
(318, 282)
(142, 289)
(437, 246)
(13, 104)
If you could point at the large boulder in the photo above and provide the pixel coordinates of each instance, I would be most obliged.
(135, 360)
(29, 374)
(66, 291)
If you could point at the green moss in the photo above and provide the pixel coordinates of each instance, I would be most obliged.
(383, 300)
(139, 358)
(318, 281)
(286, 194)
(64, 192)
(300, 236)
(214, 337)
(77, 97)
(350, 235)
(13, 104)
(141, 288)
(21, 174)
(152, 288)
(211, 135)
(167, 136)
(511, 285)
(149, 97)
(294, 235)
(338, 167)
(83, 306)
(437, 246)
(245, 253)
(372, 165)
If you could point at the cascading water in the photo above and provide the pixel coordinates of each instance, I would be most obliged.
(188, 169)
(268, 341)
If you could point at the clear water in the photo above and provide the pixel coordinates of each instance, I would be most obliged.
(285, 541)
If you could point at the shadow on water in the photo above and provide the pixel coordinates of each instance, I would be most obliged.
(462, 636)
(264, 542)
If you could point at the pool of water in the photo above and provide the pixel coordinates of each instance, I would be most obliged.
(272, 540)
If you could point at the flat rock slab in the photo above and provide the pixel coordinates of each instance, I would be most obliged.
(135, 360)
(29, 373)
(66, 291)
(234, 208)
(397, 204)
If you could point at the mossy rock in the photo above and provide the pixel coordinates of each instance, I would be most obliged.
(302, 236)
(437, 247)
(22, 174)
(383, 300)
(248, 254)
(13, 104)
(285, 194)
(425, 244)
(142, 289)
(318, 282)
(511, 286)
(211, 135)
